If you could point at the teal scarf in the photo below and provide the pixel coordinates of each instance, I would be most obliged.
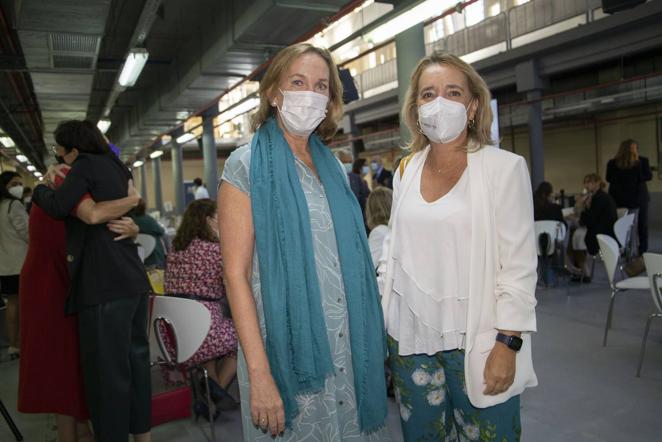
(297, 343)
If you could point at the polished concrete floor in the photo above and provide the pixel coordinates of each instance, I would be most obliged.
(587, 392)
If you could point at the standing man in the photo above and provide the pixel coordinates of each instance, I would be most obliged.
(199, 191)
(380, 175)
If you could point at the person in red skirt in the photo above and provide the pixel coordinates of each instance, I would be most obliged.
(50, 377)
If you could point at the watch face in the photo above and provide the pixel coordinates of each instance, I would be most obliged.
(515, 343)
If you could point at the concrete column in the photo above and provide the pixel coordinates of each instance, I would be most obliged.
(156, 175)
(143, 181)
(536, 147)
(348, 124)
(410, 47)
(528, 80)
(177, 159)
(209, 154)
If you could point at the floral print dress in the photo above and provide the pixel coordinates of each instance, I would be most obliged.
(197, 270)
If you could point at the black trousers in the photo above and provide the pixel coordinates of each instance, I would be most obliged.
(642, 228)
(114, 353)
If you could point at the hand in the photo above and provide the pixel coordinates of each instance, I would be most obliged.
(133, 193)
(267, 409)
(53, 171)
(124, 226)
(499, 370)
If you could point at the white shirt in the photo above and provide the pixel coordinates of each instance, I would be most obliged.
(201, 193)
(376, 242)
(431, 274)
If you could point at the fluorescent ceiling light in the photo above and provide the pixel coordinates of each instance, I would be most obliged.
(38, 174)
(185, 138)
(138, 163)
(31, 168)
(7, 142)
(241, 108)
(22, 158)
(104, 125)
(133, 66)
(414, 16)
(156, 154)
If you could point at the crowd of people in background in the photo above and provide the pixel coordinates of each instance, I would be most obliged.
(596, 209)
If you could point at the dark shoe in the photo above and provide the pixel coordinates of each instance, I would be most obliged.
(220, 396)
(200, 408)
(580, 279)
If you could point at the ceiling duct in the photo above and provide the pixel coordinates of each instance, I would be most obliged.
(61, 47)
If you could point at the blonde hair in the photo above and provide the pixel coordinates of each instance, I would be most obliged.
(595, 178)
(378, 207)
(479, 131)
(272, 77)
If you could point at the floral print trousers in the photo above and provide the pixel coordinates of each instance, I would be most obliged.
(434, 405)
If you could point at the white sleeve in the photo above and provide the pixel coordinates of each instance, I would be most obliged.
(516, 273)
(18, 218)
(381, 263)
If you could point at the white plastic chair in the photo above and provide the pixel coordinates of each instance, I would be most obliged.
(623, 229)
(654, 268)
(190, 322)
(141, 253)
(609, 253)
(557, 232)
(147, 242)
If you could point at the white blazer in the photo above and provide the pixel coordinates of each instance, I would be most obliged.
(502, 263)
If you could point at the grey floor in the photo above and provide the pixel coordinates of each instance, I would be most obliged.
(587, 392)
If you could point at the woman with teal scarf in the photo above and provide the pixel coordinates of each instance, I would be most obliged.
(298, 270)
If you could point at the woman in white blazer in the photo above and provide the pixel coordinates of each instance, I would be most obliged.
(458, 270)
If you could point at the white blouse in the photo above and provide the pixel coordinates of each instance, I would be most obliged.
(431, 276)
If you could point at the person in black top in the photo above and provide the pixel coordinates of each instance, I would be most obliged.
(109, 287)
(598, 212)
(543, 207)
(358, 184)
(627, 174)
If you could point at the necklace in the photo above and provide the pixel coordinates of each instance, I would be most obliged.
(451, 167)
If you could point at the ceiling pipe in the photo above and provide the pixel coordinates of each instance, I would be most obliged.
(349, 7)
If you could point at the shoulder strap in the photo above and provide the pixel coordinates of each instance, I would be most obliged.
(403, 164)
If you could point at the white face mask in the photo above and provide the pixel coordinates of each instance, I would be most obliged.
(302, 111)
(16, 192)
(442, 120)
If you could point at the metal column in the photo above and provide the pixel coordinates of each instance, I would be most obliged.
(410, 47)
(209, 155)
(156, 174)
(177, 159)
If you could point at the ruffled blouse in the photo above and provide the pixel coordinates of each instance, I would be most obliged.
(431, 274)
